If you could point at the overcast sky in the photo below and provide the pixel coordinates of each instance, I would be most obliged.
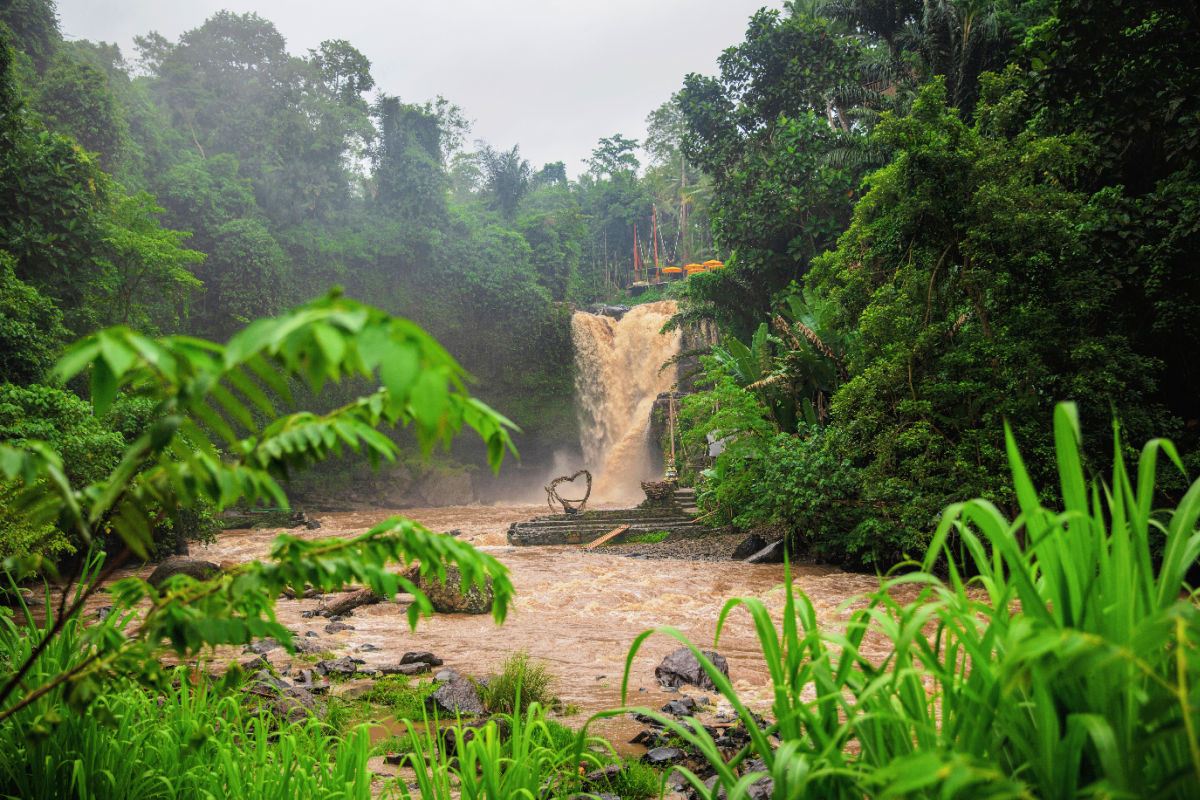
(553, 77)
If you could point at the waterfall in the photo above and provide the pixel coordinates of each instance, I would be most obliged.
(617, 379)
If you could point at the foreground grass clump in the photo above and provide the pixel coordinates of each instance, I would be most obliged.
(1068, 667)
(398, 693)
(520, 683)
(185, 741)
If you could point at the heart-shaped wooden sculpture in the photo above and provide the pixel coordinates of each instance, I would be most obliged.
(569, 506)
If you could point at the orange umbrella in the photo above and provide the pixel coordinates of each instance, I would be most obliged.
(672, 270)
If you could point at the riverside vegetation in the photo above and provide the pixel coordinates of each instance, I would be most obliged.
(940, 219)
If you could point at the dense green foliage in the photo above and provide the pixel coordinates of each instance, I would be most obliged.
(1066, 668)
(222, 178)
(941, 217)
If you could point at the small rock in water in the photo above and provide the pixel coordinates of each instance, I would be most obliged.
(335, 627)
(307, 614)
(421, 655)
(263, 646)
(683, 707)
(601, 677)
(415, 668)
(337, 666)
(682, 667)
(368, 648)
(103, 611)
(312, 634)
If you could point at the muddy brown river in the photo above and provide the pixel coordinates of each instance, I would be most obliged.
(578, 611)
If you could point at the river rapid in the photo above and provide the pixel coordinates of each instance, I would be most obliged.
(578, 611)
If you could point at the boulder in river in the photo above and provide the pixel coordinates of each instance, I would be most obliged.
(604, 310)
(771, 554)
(196, 568)
(748, 547)
(411, 668)
(421, 655)
(449, 597)
(681, 667)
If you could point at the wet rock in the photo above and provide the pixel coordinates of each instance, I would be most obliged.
(683, 707)
(470, 730)
(771, 554)
(604, 775)
(307, 681)
(661, 756)
(308, 646)
(254, 664)
(337, 666)
(415, 668)
(368, 648)
(456, 696)
(196, 568)
(262, 646)
(748, 547)
(421, 655)
(334, 627)
(455, 596)
(264, 677)
(447, 674)
(307, 614)
(103, 611)
(681, 667)
(604, 310)
(294, 705)
(648, 738)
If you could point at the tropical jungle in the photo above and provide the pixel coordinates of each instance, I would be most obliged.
(934, 347)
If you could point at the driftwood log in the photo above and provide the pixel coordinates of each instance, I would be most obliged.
(568, 506)
(350, 601)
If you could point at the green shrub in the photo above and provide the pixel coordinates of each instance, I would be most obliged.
(1065, 668)
(403, 697)
(520, 679)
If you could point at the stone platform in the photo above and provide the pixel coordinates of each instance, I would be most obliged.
(676, 516)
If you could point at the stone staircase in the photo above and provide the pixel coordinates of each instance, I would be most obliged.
(675, 517)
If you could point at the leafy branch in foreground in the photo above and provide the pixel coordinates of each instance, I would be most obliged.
(206, 444)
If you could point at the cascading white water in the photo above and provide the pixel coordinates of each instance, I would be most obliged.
(617, 379)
